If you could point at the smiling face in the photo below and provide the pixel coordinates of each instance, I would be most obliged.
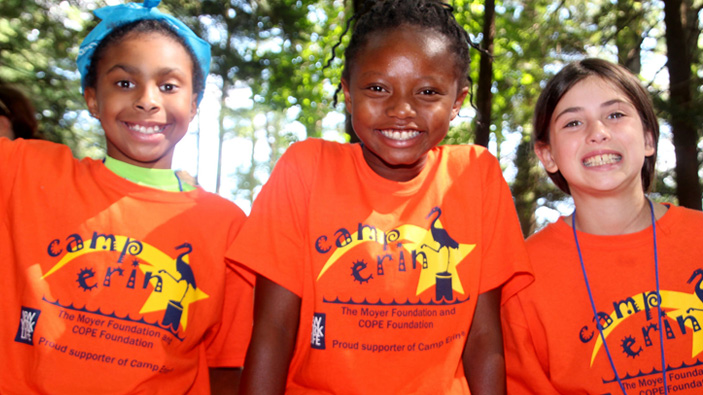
(143, 97)
(402, 92)
(596, 140)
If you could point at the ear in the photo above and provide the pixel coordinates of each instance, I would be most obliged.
(194, 107)
(347, 95)
(6, 128)
(456, 107)
(544, 153)
(91, 100)
(649, 146)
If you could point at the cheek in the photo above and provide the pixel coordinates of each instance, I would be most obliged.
(363, 110)
(560, 148)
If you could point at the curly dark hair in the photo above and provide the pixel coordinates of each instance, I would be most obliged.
(381, 15)
(16, 106)
(142, 26)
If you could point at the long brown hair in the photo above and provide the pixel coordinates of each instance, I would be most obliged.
(613, 73)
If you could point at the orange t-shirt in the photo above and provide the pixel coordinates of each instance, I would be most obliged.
(111, 287)
(388, 272)
(552, 344)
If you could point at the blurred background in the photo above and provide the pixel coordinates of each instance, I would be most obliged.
(277, 64)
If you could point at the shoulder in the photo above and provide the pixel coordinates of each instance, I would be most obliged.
(468, 161)
(315, 146)
(38, 149)
(685, 213)
(218, 205)
(465, 151)
(677, 217)
(547, 237)
(30, 156)
(310, 154)
(464, 155)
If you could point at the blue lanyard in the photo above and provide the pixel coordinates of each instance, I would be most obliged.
(593, 304)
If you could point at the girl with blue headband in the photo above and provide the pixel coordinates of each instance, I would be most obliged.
(113, 276)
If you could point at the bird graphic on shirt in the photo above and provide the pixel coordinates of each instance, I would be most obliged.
(699, 287)
(440, 235)
(183, 269)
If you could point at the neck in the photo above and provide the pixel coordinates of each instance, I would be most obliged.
(613, 215)
(164, 179)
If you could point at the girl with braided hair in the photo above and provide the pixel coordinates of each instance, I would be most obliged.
(382, 265)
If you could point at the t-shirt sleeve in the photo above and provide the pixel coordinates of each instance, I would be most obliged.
(505, 260)
(10, 153)
(227, 347)
(526, 373)
(272, 240)
(26, 161)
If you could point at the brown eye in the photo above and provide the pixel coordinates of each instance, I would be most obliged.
(168, 87)
(124, 84)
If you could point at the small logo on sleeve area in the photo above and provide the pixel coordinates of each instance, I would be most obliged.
(28, 322)
(317, 338)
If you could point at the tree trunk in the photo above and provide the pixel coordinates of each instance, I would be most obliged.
(524, 186)
(484, 96)
(221, 126)
(684, 132)
(629, 35)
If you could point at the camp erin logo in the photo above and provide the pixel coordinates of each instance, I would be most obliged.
(405, 249)
(681, 316)
(134, 266)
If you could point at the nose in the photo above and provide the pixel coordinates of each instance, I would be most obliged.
(401, 107)
(147, 99)
(598, 133)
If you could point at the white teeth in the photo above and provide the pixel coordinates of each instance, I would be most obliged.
(600, 160)
(146, 129)
(400, 134)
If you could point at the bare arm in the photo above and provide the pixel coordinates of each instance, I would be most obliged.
(484, 363)
(225, 381)
(276, 316)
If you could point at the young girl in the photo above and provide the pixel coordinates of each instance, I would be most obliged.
(617, 301)
(381, 264)
(113, 277)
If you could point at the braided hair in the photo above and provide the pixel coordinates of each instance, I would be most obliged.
(381, 15)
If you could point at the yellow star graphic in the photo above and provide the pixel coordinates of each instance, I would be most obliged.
(155, 260)
(405, 231)
(158, 301)
(439, 259)
(675, 303)
(413, 237)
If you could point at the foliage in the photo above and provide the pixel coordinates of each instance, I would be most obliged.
(38, 46)
(278, 51)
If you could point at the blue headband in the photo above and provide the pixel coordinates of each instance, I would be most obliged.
(115, 16)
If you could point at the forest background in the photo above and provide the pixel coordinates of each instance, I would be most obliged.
(273, 82)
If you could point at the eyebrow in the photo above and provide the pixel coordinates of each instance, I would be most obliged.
(133, 70)
(577, 109)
